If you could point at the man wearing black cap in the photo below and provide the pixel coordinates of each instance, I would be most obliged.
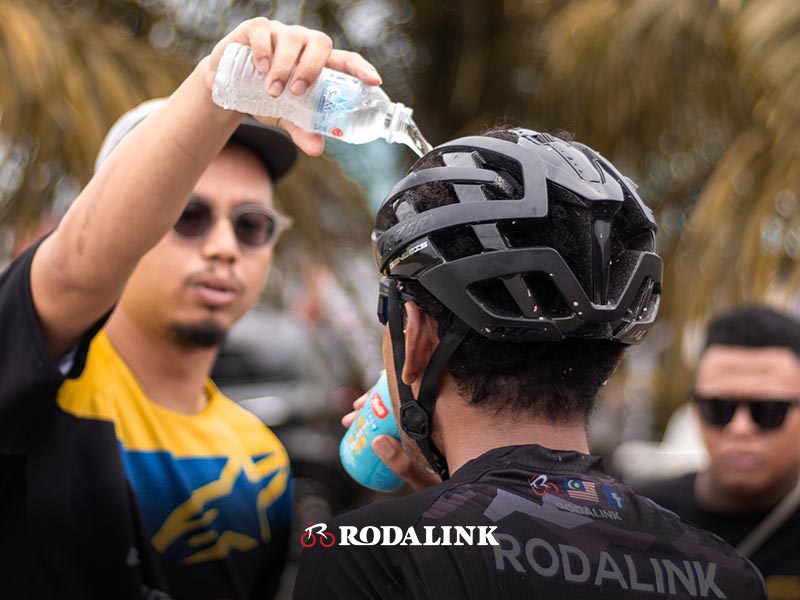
(143, 481)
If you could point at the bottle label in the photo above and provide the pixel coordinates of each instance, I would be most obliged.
(338, 97)
(355, 450)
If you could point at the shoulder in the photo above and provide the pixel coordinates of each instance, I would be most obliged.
(253, 433)
(19, 324)
(707, 558)
(104, 378)
(405, 511)
(357, 565)
(676, 493)
(358, 554)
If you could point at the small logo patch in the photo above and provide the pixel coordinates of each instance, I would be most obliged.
(541, 486)
(581, 490)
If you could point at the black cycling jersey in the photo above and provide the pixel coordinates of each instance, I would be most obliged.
(777, 559)
(79, 502)
(83, 535)
(564, 529)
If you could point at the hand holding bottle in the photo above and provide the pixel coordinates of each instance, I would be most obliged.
(291, 57)
(391, 452)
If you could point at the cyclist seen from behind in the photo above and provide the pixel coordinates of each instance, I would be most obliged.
(517, 268)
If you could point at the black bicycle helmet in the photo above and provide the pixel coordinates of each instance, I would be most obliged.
(514, 284)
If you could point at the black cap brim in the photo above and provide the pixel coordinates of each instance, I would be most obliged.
(273, 146)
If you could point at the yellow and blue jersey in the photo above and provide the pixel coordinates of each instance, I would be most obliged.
(210, 486)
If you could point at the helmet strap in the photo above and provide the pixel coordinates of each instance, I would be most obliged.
(416, 416)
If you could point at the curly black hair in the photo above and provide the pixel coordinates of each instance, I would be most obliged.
(556, 380)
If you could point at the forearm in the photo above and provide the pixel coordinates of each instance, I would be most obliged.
(81, 270)
(126, 208)
(141, 189)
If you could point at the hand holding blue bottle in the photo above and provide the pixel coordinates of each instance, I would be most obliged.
(375, 418)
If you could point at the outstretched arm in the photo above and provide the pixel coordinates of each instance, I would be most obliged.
(78, 273)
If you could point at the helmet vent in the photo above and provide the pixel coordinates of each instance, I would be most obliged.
(543, 138)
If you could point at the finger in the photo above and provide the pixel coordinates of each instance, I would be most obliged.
(259, 38)
(311, 143)
(359, 402)
(391, 452)
(355, 64)
(348, 419)
(288, 43)
(315, 55)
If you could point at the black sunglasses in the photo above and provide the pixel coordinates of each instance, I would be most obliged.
(384, 298)
(767, 414)
(255, 226)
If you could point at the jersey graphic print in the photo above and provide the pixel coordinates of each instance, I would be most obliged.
(198, 509)
(206, 484)
(618, 557)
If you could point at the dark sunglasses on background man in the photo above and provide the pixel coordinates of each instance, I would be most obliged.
(768, 413)
(256, 227)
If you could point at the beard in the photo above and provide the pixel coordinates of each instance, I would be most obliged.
(198, 335)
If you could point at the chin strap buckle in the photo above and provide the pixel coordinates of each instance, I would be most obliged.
(415, 420)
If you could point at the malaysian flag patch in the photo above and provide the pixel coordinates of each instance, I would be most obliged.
(581, 490)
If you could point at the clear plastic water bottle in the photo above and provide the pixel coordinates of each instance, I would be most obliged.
(337, 105)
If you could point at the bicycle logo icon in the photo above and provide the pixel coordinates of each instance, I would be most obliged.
(540, 486)
(317, 533)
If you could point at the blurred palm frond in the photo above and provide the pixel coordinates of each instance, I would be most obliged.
(63, 80)
(697, 101)
(67, 74)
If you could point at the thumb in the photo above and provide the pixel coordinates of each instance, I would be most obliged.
(391, 452)
(387, 448)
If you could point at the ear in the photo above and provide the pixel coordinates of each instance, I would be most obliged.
(421, 340)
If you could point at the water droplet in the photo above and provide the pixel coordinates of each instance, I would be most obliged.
(574, 304)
